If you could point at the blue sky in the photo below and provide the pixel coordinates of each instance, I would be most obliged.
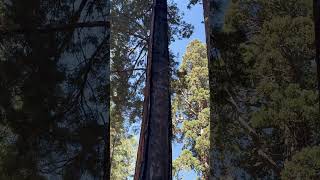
(193, 16)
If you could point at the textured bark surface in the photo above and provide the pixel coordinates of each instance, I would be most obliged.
(216, 167)
(154, 153)
(316, 11)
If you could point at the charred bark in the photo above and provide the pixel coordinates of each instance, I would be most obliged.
(154, 153)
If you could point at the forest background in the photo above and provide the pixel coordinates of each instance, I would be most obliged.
(261, 121)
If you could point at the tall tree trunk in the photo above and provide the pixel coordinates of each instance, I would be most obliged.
(316, 14)
(206, 16)
(154, 153)
(216, 158)
(107, 149)
(107, 158)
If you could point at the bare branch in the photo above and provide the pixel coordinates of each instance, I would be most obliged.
(129, 70)
(254, 134)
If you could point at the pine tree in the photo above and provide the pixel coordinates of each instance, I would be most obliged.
(276, 92)
(48, 113)
(263, 74)
(191, 111)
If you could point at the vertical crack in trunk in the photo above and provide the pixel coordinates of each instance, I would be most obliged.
(154, 153)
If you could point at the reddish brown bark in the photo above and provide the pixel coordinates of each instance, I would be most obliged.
(154, 153)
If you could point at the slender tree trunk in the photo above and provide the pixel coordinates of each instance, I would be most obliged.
(107, 157)
(154, 153)
(316, 14)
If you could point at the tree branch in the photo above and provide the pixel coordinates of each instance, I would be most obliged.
(54, 28)
(254, 134)
(129, 70)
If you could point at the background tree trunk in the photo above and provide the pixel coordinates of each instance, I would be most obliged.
(316, 11)
(154, 153)
(217, 168)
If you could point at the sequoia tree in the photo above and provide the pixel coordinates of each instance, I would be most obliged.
(191, 111)
(154, 153)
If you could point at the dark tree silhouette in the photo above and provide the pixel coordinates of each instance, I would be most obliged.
(316, 14)
(54, 86)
